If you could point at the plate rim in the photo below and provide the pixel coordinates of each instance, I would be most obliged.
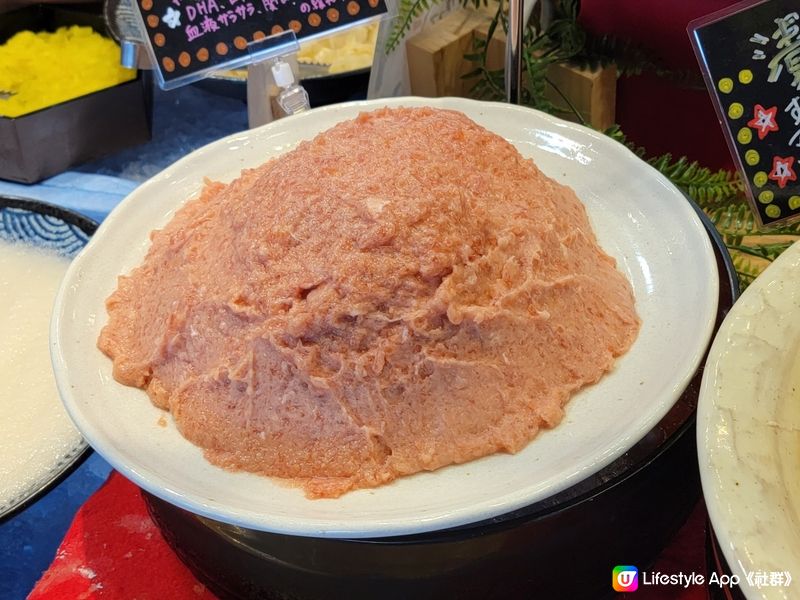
(709, 417)
(322, 528)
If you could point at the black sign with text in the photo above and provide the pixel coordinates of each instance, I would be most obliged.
(190, 36)
(750, 54)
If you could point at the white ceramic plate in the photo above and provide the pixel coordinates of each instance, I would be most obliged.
(640, 219)
(748, 430)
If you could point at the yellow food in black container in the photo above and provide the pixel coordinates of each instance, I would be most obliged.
(43, 69)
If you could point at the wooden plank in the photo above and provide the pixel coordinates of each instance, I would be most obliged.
(592, 93)
(436, 55)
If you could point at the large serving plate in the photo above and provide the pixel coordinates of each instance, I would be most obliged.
(640, 219)
(62, 232)
(748, 432)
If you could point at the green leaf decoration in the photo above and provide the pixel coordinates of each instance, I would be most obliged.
(705, 186)
(616, 134)
(746, 270)
(765, 251)
(735, 221)
(491, 83)
(407, 11)
(603, 51)
(630, 59)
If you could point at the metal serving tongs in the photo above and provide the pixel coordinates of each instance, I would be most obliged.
(124, 28)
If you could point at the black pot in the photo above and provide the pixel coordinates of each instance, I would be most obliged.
(562, 547)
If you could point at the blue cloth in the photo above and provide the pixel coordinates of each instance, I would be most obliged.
(87, 193)
(29, 541)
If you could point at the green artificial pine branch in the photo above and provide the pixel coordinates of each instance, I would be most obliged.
(616, 134)
(540, 49)
(407, 11)
(607, 50)
(746, 272)
(765, 251)
(630, 59)
(704, 186)
(490, 84)
(736, 221)
(721, 196)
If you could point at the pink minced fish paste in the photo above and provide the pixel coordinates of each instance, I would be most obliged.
(401, 293)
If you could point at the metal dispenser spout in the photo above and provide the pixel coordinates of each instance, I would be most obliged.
(124, 28)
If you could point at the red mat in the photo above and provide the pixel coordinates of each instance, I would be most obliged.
(113, 550)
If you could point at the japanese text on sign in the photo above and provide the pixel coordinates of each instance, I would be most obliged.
(192, 36)
(751, 59)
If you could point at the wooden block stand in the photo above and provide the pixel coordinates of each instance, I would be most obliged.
(436, 66)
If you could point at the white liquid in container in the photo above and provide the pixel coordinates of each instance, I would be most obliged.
(35, 431)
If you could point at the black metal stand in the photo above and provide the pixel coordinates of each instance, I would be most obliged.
(513, 74)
